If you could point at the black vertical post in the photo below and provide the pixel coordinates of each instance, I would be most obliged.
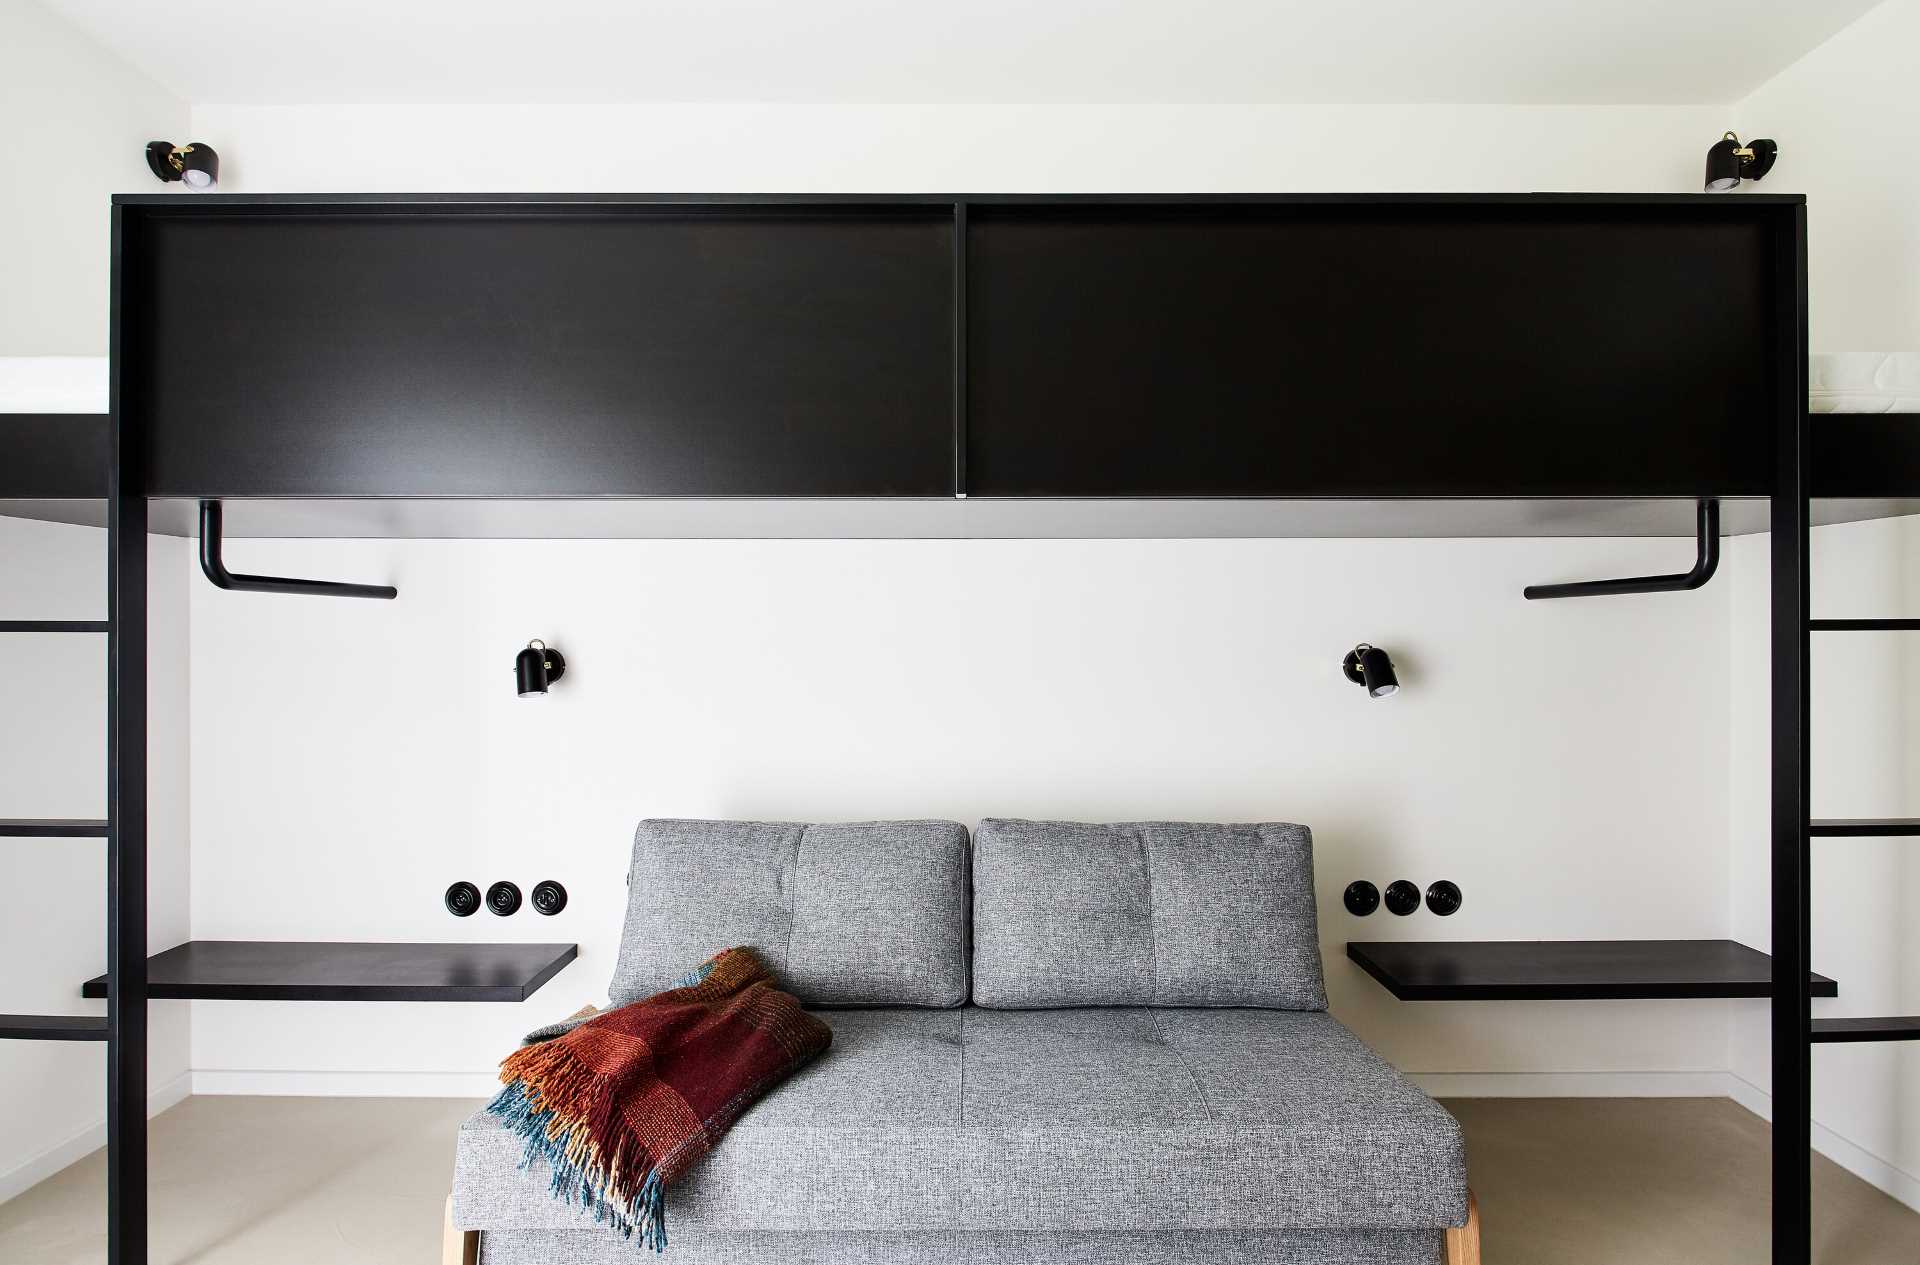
(126, 809)
(1792, 811)
(960, 350)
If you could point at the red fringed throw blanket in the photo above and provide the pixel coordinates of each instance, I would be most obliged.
(622, 1105)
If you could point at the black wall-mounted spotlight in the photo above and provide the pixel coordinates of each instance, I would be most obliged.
(1369, 666)
(1729, 162)
(537, 667)
(194, 164)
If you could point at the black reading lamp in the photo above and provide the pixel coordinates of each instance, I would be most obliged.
(1729, 162)
(536, 667)
(194, 164)
(1369, 666)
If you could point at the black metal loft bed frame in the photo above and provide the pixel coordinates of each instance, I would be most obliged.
(943, 346)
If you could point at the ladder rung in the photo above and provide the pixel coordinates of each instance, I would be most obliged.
(52, 828)
(53, 625)
(1863, 827)
(1882, 1028)
(1863, 625)
(53, 1027)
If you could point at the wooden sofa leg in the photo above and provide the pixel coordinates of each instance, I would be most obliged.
(462, 1247)
(1463, 1245)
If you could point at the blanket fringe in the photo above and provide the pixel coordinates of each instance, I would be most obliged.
(579, 1174)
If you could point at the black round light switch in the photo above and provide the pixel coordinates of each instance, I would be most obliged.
(1444, 898)
(1361, 898)
(549, 898)
(503, 898)
(1402, 897)
(463, 899)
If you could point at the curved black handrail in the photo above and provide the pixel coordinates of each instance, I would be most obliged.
(210, 520)
(1705, 564)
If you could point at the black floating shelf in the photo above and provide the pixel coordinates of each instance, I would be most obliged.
(1863, 827)
(1887, 1028)
(53, 1027)
(1570, 970)
(302, 970)
(52, 828)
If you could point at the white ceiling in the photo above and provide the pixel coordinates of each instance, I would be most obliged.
(961, 51)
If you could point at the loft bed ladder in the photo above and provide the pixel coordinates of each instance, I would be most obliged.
(124, 1027)
(1793, 827)
(1795, 1030)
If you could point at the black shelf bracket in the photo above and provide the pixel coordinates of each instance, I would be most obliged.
(210, 520)
(1705, 564)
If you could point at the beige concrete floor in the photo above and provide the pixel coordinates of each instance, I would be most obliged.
(1561, 1181)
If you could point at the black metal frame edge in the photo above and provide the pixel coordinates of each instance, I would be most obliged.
(960, 348)
(1792, 1006)
(213, 202)
(126, 801)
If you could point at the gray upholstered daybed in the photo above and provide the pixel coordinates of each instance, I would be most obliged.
(1060, 1043)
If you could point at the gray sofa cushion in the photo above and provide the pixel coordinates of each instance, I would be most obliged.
(856, 914)
(1149, 913)
(977, 1247)
(1077, 1121)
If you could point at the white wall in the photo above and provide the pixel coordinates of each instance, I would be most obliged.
(53, 892)
(350, 759)
(1843, 116)
(911, 148)
(78, 120)
(1839, 115)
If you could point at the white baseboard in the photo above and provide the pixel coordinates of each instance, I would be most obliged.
(1859, 1161)
(86, 1142)
(302, 1084)
(1572, 1084)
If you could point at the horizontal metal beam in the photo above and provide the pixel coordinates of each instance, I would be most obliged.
(54, 626)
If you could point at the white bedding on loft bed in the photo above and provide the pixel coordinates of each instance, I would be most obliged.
(1864, 382)
(53, 384)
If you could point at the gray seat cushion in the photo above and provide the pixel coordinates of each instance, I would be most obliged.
(1084, 1120)
(1145, 914)
(977, 1247)
(856, 914)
